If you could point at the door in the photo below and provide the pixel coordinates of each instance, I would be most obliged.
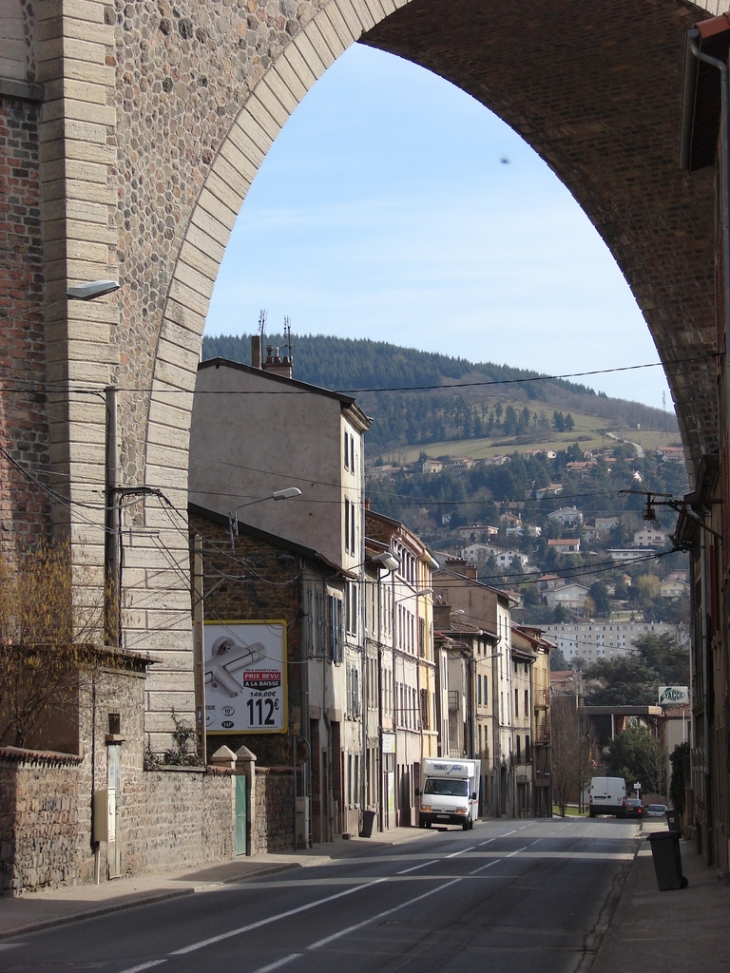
(241, 817)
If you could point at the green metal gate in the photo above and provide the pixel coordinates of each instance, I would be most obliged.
(240, 815)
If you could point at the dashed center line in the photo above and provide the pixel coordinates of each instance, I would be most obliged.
(416, 867)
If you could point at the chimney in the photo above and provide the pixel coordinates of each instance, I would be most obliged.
(255, 351)
(277, 365)
(442, 617)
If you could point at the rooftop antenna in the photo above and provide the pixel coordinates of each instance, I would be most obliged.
(287, 335)
(262, 325)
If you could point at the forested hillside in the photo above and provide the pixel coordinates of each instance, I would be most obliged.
(419, 398)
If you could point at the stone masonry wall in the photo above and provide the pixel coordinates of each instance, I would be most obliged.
(39, 813)
(170, 818)
(24, 508)
(274, 821)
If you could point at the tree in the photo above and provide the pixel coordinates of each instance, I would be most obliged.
(572, 745)
(599, 593)
(558, 662)
(678, 783)
(47, 633)
(634, 679)
(637, 755)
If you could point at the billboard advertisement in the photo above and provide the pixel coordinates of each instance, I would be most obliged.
(245, 677)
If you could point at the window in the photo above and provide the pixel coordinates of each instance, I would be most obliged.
(310, 621)
(347, 525)
(479, 690)
(347, 449)
(352, 454)
(335, 622)
(353, 692)
(519, 755)
(319, 622)
(527, 750)
(353, 545)
(425, 722)
(527, 702)
(517, 703)
(351, 608)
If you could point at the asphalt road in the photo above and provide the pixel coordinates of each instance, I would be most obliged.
(517, 896)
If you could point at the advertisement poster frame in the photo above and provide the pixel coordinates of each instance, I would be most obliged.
(245, 675)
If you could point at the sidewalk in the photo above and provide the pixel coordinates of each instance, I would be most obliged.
(54, 907)
(681, 931)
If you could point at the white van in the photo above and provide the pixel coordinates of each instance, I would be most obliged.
(450, 792)
(607, 795)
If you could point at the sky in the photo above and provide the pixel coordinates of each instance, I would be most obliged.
(394, 206)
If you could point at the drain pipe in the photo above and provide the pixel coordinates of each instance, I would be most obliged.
(694, 51)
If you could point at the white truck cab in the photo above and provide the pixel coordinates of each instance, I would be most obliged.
(450, 792)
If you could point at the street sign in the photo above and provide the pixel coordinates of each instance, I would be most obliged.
(673, 695)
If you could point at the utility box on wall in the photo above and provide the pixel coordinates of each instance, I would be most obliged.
(104, 823)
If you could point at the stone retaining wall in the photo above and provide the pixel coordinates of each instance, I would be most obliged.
(38, 820)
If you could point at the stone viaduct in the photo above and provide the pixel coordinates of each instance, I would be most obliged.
(130, 133)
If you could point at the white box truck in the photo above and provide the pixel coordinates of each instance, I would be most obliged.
(607, 795)
(449, 792)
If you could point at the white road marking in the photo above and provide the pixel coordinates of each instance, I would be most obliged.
(487, 842)
(455, 854)
(388, 912)
(483, 867)
(277, 963)
(514, 831)
(144, 966)
(413, 868)
(265, 922)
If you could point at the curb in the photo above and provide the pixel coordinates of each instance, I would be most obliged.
(594, 938)
(132, 901)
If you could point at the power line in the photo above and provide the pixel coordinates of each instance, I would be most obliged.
(148, 390)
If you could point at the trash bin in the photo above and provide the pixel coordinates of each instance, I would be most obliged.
(368, 817)
(673, 821)
(667, 860)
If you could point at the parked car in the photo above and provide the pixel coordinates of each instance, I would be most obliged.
(656, 810)
(634, 808)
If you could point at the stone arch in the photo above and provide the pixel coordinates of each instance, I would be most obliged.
(656, 220)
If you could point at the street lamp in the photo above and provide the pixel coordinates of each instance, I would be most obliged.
(387, 560)
(285, 494)
(92, 290)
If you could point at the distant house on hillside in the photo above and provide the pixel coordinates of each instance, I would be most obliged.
(567, 516)
(460, 464)
(674, 589)
(551, 490)
(571, 596)
(431, 466)
(475, 531)
(581, 466)
(606, 523)
(650, 537)
(565, 545)
(629, 553)
(549, 581)
(671, 453)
